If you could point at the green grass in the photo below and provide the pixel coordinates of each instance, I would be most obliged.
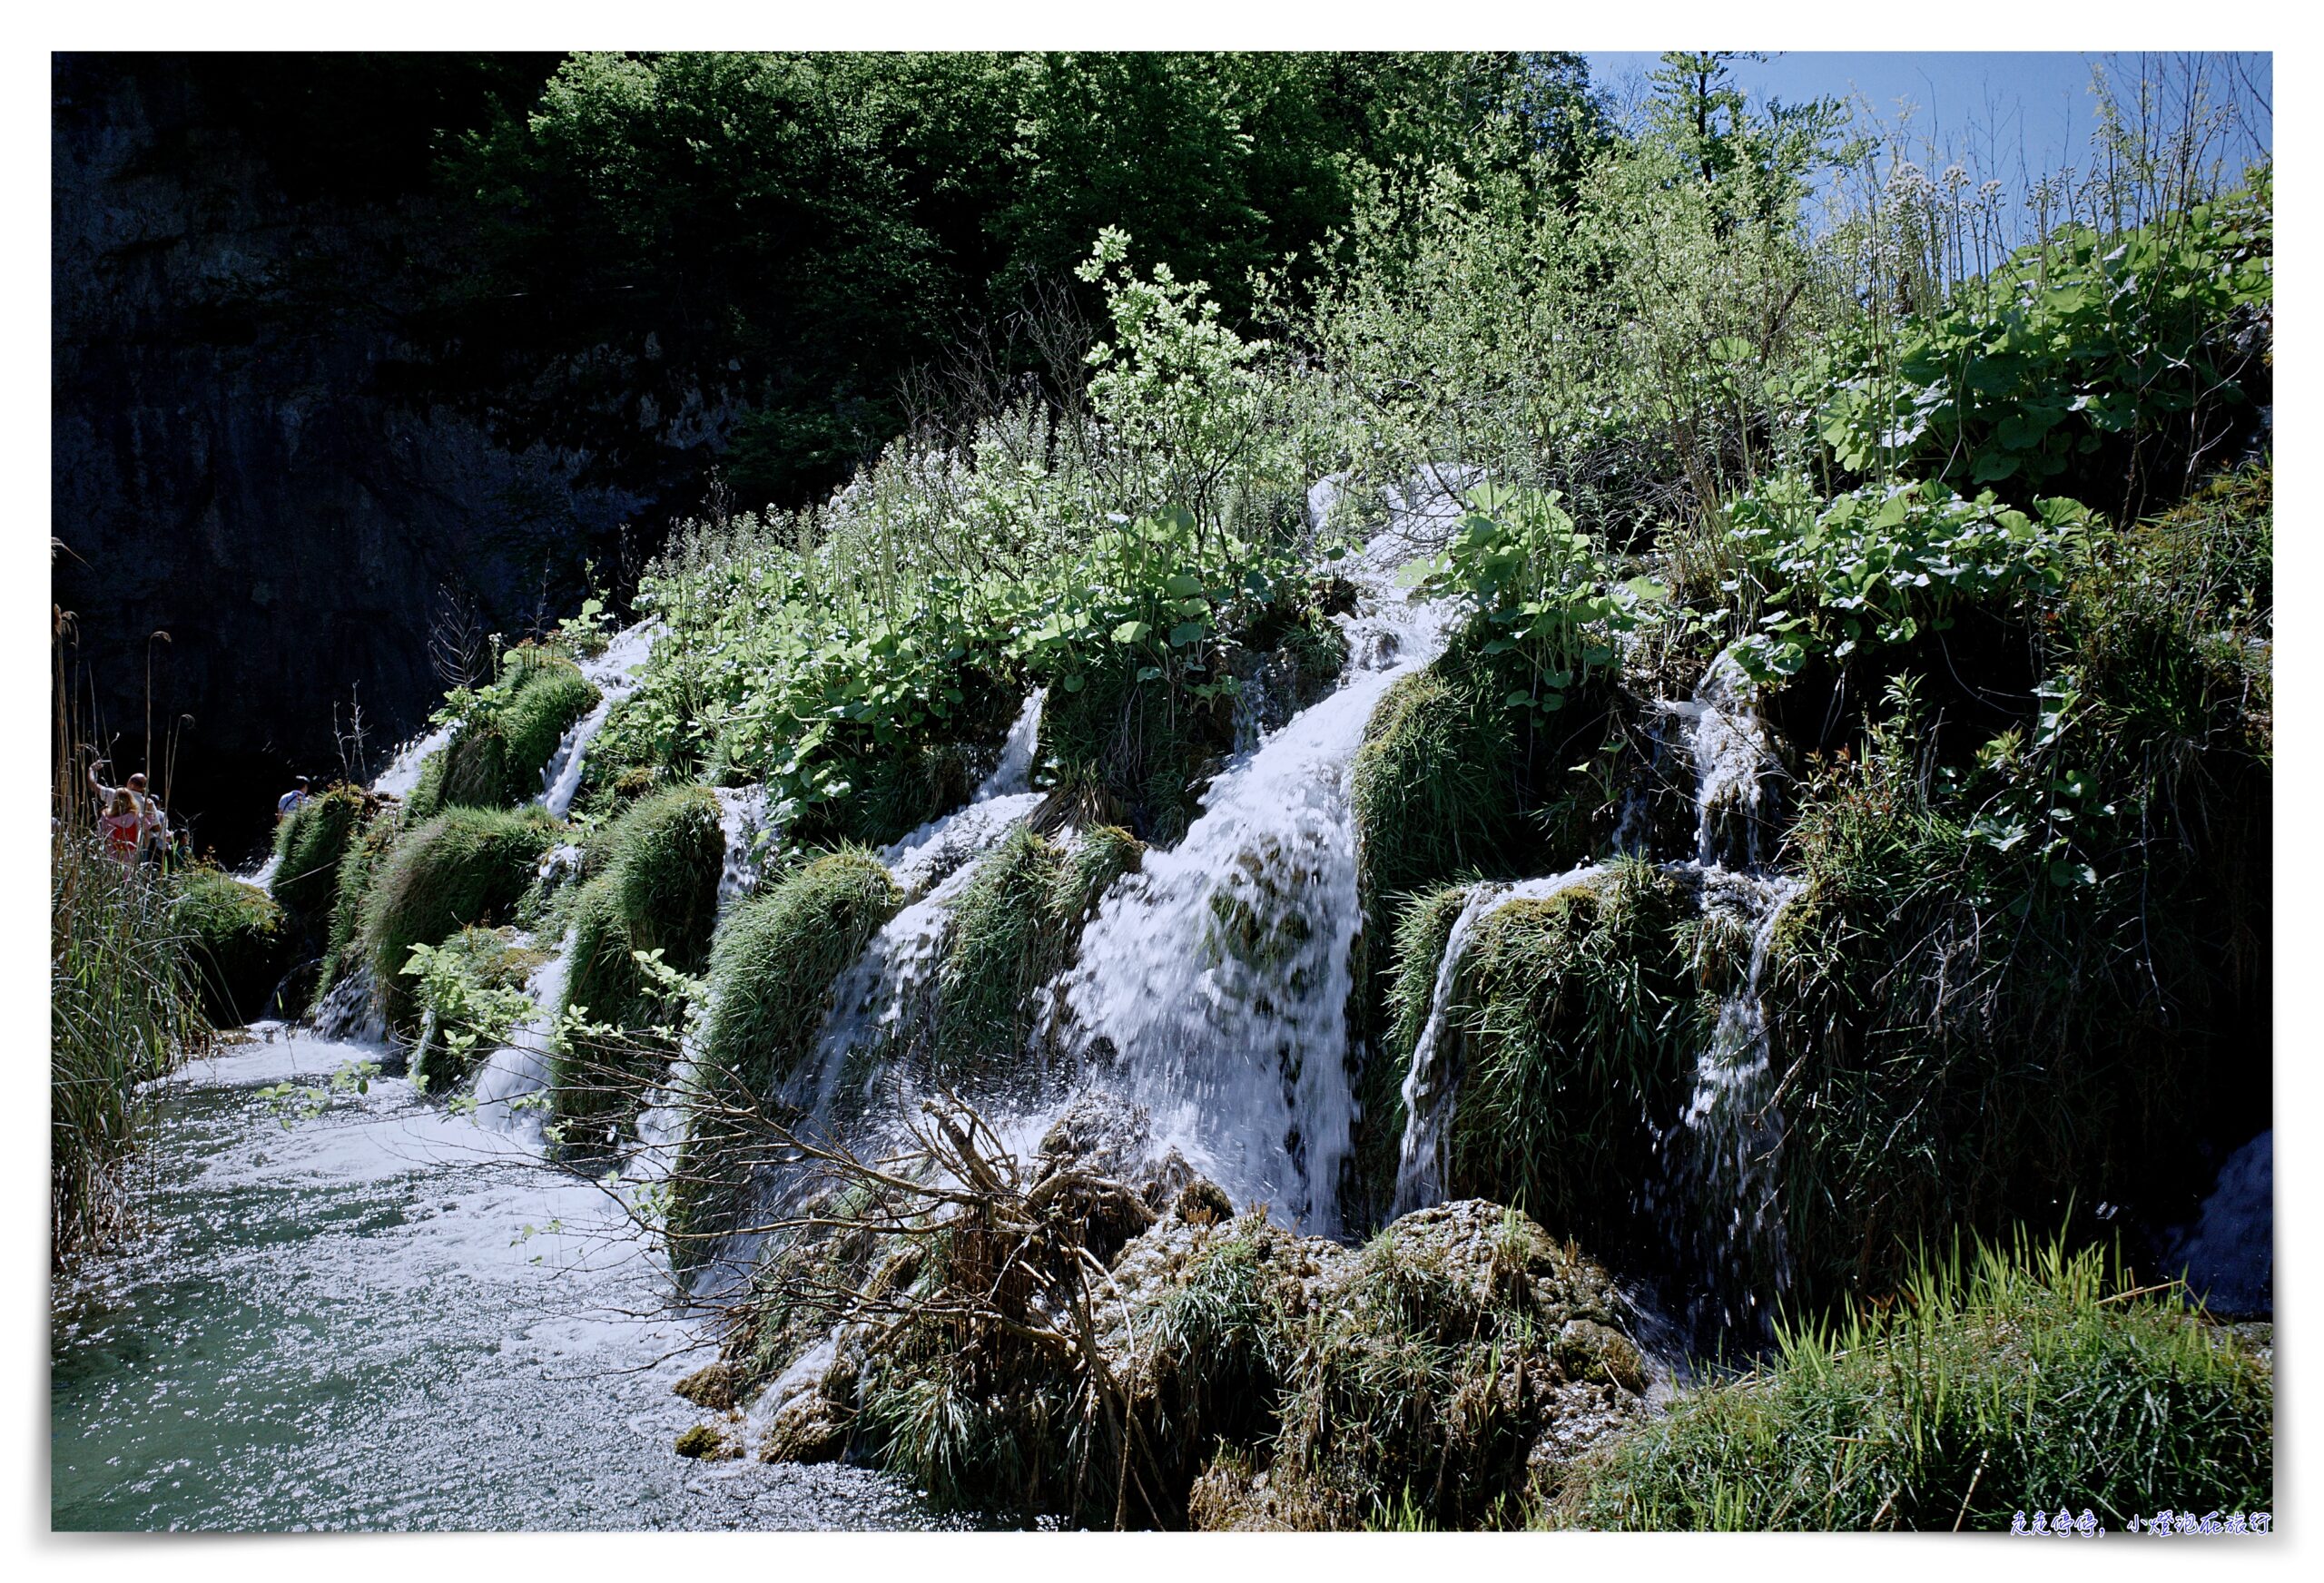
(771, 976)
(124, 1006)
(2020, 1377)
(238, 939)
(358, 865)
(652, 886)
(313, 844)
(465, 866)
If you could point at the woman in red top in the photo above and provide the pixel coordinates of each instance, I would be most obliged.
(121, 825)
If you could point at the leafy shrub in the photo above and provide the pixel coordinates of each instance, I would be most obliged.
(2022, 1377)
(465, 866)
(471, 993)
(2110, 366)
(1877, 567)
(239, 940)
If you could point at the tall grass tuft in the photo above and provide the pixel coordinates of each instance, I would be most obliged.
(2020, 1375)
(122, 1007)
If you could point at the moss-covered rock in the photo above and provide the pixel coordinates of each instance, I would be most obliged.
(771, 978)
(465, 866)
(239, 941)
(312, 846)
(496, 758)
(1013, 928)
(652, 886)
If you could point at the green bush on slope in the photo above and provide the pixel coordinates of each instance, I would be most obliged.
(655, 888)
(239, 942)
(313, 844)
(508, 734)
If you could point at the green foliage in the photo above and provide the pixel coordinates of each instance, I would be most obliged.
(2013, 975)
(357, 866)
(238, 939)
(2021, 1376)
(653, 889)
(770, 976)
(313, 844)
(1879, 565)
(2111, 364)
(1545, 593)
(506, 732)
(471, 995)
(465, 866)
(124, 1006)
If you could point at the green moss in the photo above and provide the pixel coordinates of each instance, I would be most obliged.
(357, 866)
(465, 866)
(1135, 750)
(2023, 1379)
(313, 844)
(239, 940)
(497, 757)
(1437, 785)
(1575, 1023)
(771, 976)
(654, 887)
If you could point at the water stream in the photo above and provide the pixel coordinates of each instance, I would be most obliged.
(386, 1317)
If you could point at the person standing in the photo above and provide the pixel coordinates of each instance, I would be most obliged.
(109, 797)
(290, 801)
(120, 825)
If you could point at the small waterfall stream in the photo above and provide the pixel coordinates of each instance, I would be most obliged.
(1212, 986)
(614, 672)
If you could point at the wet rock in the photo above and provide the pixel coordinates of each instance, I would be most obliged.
(705, 1443)
(810, 1428)
(713, 1388)
(1588, 1351)
(1100, 1133)
(1203, 1202)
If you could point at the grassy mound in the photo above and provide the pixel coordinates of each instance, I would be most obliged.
(465, 866)
(655, 888)
(1013, 928)
(2017, 1378)
(496, 759)
(771, 976)
(313, 844)
(239, 941)
(474, 989)
(358, 865)
(1135, 749)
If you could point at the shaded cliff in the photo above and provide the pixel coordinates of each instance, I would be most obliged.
(256, 450)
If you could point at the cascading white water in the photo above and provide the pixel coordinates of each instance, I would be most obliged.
(749, 828)
(1432, 1084)
(518, 1070)
(614, 672)
(1216, 977)
(1724, 1151)
(1734, 761)
(402, 772)
(2228, 1256)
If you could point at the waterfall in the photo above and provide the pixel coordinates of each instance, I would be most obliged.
(614, 673)
(2229, 1255)
(1432, 1084)
(1217, 977)
(1724, 1151)
(1014, 774)
(402, 772)
(517, 1071)
(1734, 761)
(747, 824)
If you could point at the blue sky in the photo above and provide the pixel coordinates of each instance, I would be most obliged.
(2016, 112)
